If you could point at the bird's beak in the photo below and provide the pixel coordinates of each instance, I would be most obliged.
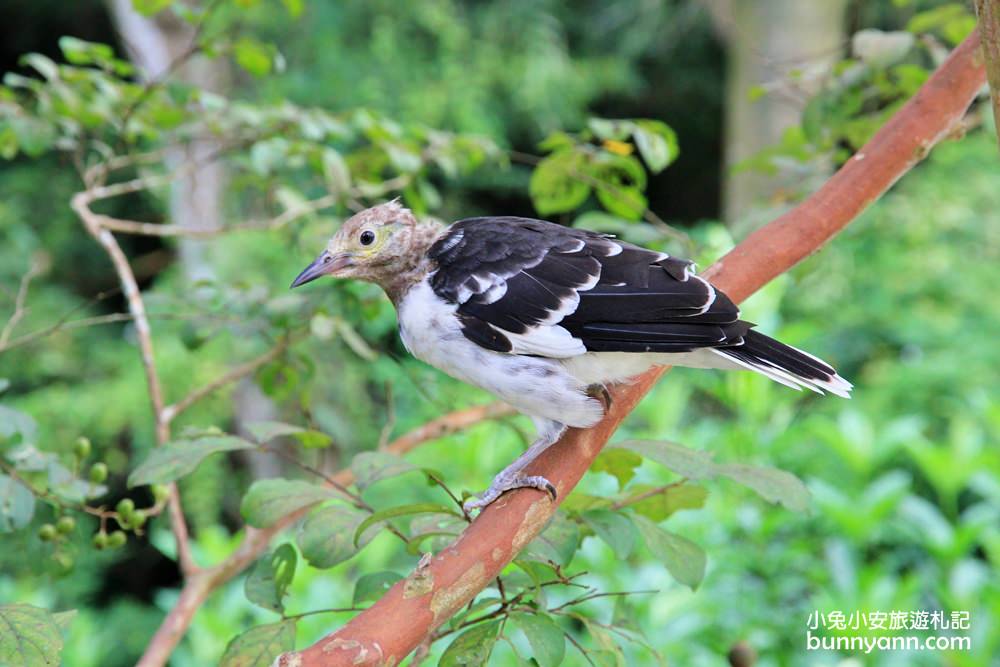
(326, 264)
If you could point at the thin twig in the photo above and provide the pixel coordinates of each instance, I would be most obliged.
(170, 412)
(34, 270)
(80, 204)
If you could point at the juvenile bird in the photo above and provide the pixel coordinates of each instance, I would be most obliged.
(543, 316)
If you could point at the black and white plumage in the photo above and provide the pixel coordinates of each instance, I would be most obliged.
(528, 287)
(538, 314)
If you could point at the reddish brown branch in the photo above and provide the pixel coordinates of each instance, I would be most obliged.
(396, 624)
(988, 12)
(199, 585)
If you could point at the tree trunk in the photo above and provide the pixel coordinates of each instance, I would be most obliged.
(769, 42)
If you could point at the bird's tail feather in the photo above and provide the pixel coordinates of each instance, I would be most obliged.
(785, 364)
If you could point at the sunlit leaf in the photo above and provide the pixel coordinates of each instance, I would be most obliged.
(558, 183)
(472, 648)
(620, 463)
(620, 183)
(180, 457)
(260, 645)
(268, 500)
(657, 143)
(371, 587)
(29, 636)
(660, 505)
(270, 578)
(253, 56)
(150, 7)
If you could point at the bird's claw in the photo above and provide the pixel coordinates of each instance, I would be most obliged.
(601, 393)
(508, 482)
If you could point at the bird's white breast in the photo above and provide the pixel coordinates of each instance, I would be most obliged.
(534, 385)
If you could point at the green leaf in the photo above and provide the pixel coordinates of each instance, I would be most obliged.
(253, 56)
(558, 184)
(326, 537)
(82, 52)
(615, 528)
(613, 130)
(268, 500)
(16, 423)
(773, 485)
(29, 637)
(472, 648)
(150, 7)
(684, 559)
(657, 143)
(371, 587)
(264, 431)
(401, 510)
(546, 638)
(294, 7)
(621, 180)
(371, 467)
(180, 457)
(683, 461)
(620, 463)
(661, 505)
(259, 646)
(557, 543)
(270, 578)
(17, 505)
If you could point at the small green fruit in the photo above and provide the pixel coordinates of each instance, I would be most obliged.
(47, 532)
(125, 507)
(65, 561)
(98, 473)
(82, 447)
(66, 524)
(137, 520)
(160, 493)
(100, 541)
(117, 539)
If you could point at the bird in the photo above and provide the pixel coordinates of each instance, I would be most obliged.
(545, 316)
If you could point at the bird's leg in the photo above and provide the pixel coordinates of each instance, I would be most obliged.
(513, 477)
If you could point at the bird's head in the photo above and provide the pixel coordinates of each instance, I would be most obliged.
(374, 245)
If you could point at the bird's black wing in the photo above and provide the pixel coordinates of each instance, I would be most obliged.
(531, 287)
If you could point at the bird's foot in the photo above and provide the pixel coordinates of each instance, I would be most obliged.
(601, 393)
(508, 482)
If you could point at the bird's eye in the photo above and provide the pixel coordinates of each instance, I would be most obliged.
(367, 237)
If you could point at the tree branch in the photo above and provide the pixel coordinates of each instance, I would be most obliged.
(394, 626)
(988, 12)
(137, 308)
(34, 270)
(200, 585)
(234, 374)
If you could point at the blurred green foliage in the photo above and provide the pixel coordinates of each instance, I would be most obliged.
(904, 480)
